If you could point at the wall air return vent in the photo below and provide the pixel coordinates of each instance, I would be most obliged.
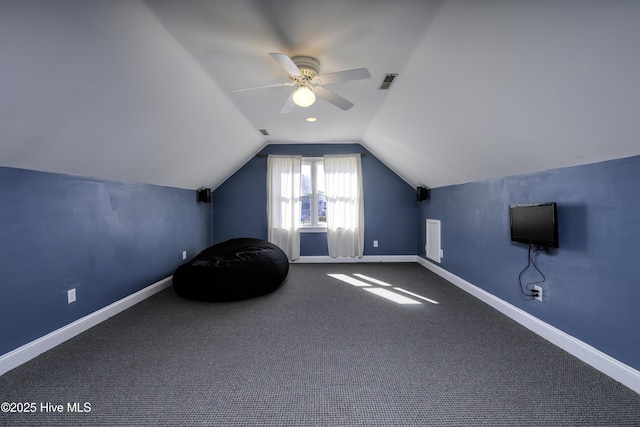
(388, 79)
(264, 132)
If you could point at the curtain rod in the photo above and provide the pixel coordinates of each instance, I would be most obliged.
(307, 155)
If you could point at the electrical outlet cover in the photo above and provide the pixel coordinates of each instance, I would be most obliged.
(539, 290)
(71, 295)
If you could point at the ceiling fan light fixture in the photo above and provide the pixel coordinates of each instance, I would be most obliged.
(304, 97)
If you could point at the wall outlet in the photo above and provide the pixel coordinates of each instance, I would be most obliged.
(375, 243)
(184, 254)
(538, 289)
(71, 295)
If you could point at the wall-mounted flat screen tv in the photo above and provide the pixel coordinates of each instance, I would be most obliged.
(534, 223)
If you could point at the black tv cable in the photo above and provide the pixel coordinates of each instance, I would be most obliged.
(530, 261)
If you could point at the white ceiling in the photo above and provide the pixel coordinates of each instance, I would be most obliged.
(142, 90)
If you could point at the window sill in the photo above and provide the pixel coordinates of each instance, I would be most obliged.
(313, 229)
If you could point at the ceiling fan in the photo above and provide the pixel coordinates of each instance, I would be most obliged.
(304, 75)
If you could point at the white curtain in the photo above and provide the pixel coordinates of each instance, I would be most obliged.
(283, 203)
(345, 205)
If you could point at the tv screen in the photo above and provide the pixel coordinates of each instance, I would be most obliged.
(534, 223)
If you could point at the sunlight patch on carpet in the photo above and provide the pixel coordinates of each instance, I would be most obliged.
(392, 296)
(372, 280)
(416, 295)
(382, 292)
(349, 280)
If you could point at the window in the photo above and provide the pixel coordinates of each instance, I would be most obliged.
(313, 197)
(300, 193)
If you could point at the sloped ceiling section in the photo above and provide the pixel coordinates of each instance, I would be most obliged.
(499, 88)
(100, 89)
(143, 90)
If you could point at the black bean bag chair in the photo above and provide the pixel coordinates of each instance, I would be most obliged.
(233, 270)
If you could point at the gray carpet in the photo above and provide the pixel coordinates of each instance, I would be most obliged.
(318, 352)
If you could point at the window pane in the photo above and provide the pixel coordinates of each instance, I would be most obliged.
(320, 178)
(305, 216)
(322, 208)
(306, 178)
(313, 213)
(322, 199)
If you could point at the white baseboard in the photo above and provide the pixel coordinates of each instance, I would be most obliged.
(30, 350)
(341, 260)
(606, 364)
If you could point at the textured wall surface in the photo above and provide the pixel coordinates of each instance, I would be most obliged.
(106, 239)
(239, 204)
(591, 291)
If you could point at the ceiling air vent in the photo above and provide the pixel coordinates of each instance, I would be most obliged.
(264, 132)
(388, 79)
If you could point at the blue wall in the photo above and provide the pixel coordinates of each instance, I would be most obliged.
(592, 288)
(240, 203)
(106, 239)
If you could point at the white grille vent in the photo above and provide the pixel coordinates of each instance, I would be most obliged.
(388, 79)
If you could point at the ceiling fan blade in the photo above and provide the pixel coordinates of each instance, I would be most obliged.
(289, 105)
(286, 63)
(333, 98)
(244, 89)
(343, 76)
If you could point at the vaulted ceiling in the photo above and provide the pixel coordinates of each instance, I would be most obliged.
(143, 90)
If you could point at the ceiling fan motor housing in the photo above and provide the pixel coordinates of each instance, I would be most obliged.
(309, 67)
